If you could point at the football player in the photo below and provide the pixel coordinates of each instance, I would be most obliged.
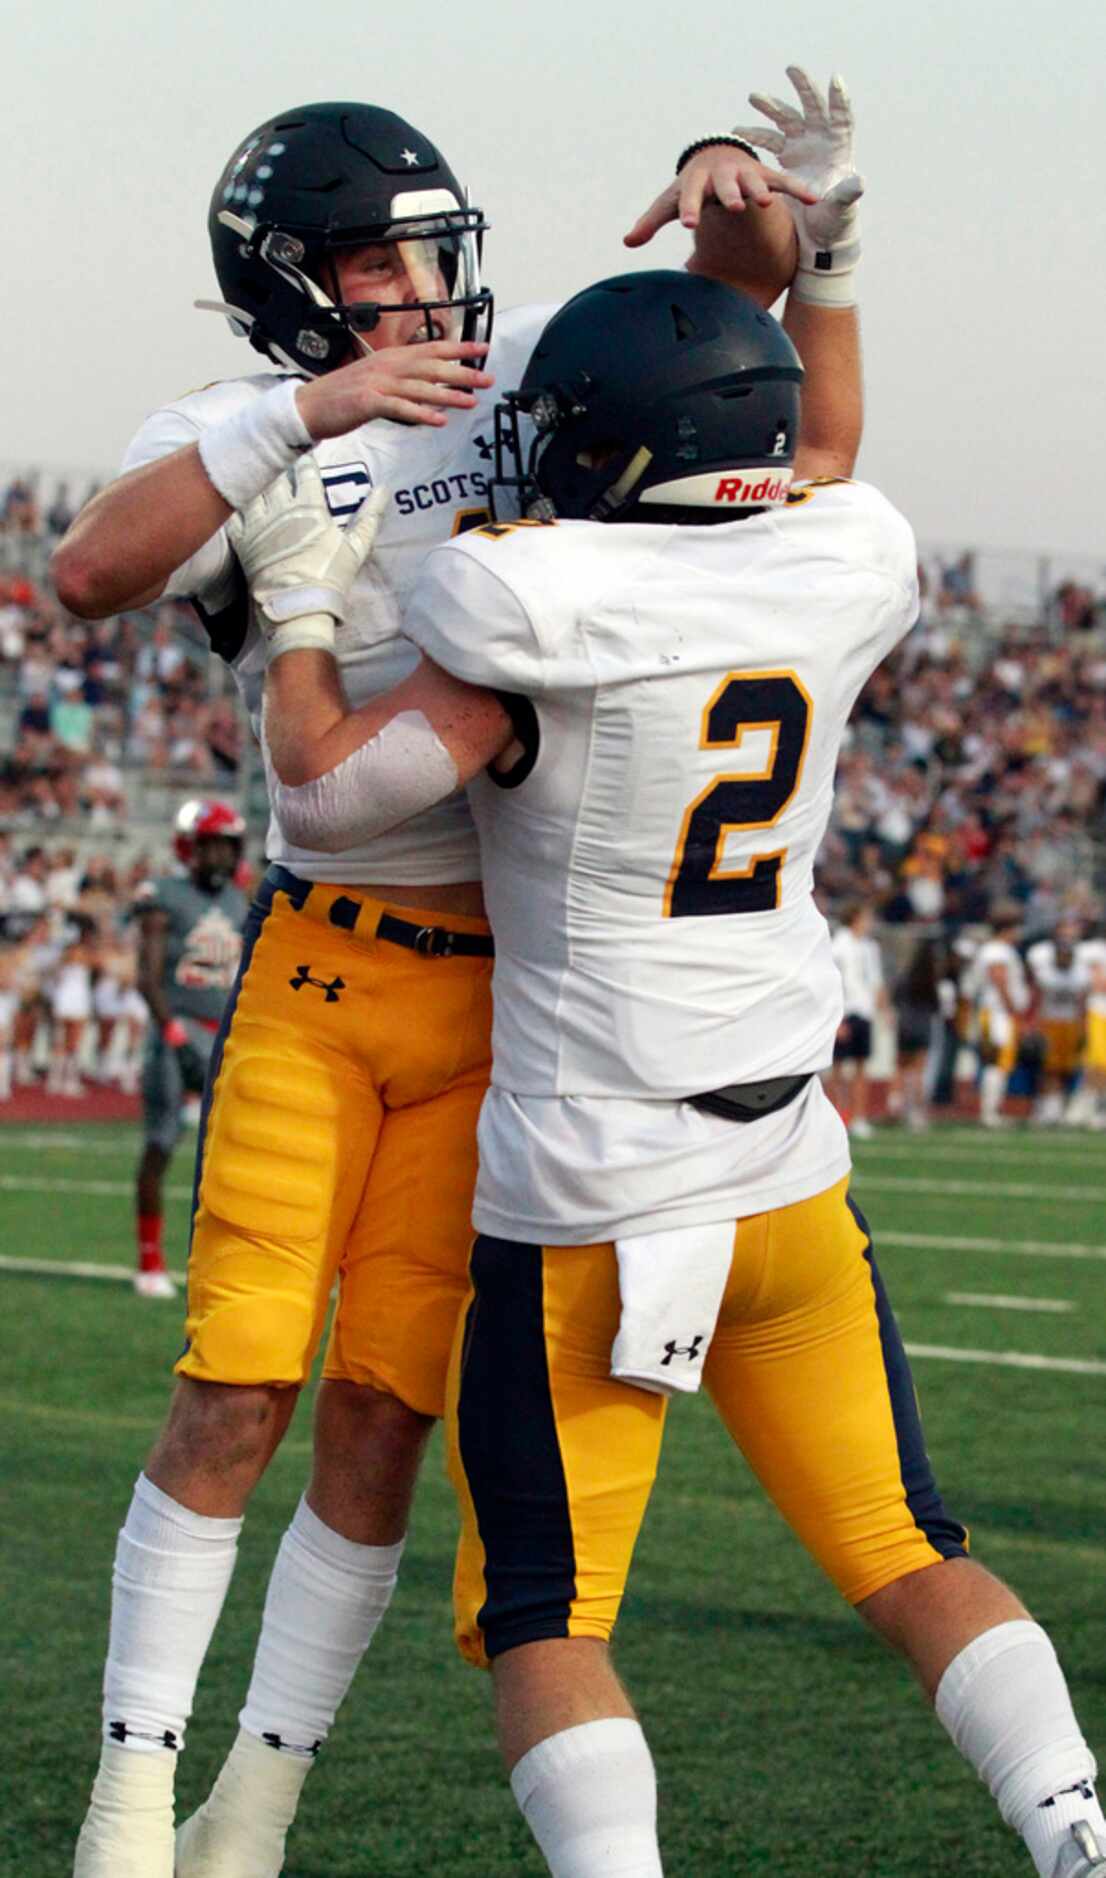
(340, 1141)
(997, 988)
(189, 944)
(858, 959)
(1091, 953)
(1062, 985)
(663, 1185)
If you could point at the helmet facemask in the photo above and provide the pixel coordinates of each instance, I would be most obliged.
(438, 246)
(605, 475)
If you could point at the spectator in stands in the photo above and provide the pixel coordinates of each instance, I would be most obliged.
(28, 890)
(34, 718)
(9, 1005)
(958, 587)
(13, 623)
(223, 737)
(70, 998)
(63, 879)
(103, 792)
(59, 516)
(19, 511)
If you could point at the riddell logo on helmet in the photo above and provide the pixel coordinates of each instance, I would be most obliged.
(768, 486)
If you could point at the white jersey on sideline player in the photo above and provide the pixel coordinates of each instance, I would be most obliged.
(1062, 987)
(861, 967)
(438, 482)
(982, 987)
(1091, 956)
(767, 629)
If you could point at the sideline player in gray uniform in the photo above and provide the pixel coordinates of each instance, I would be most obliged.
(190, 941)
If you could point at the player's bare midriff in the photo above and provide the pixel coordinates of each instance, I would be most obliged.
(462, 896)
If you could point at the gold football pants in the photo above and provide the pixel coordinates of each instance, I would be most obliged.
(1064, 1040)
(1095, 1052)
(554, 1461)
(338, 1141)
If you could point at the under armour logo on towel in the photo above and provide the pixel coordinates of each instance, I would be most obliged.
(690, 1350)
(304, 978)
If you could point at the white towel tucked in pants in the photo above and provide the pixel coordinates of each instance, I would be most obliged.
(671, 1286)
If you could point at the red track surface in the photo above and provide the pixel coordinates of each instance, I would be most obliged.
(96, 1104)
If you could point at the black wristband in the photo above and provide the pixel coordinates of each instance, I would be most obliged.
(704, 143)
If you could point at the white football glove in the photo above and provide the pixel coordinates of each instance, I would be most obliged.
(816, 145)
(299, 564)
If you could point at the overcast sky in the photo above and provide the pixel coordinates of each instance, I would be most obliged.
(979, 130)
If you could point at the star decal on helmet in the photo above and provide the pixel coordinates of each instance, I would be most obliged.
(410, 157)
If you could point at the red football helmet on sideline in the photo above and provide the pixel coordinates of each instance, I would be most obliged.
(204, 817)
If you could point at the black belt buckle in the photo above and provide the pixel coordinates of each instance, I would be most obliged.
(434, 942)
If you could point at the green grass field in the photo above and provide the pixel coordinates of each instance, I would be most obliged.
(786, 1740)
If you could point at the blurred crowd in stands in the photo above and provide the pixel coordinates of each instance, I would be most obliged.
(967, 779)
(974, 771)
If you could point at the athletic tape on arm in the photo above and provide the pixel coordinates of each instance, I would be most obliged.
(403, 770)
(247, 451)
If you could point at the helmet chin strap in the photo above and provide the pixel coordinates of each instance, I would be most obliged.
(620, 491)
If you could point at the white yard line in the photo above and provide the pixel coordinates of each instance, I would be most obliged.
(94, 1189)
(997, 1189)
(92, 1418)
(1008, 1359)
(874, 1183)
(75, 1268)
(988, 1148)
(1001, 1301)
(1017, 1248)
(1000, 1359)
(67, 1143)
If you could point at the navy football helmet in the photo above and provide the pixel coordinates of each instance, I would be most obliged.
(654, 397)
(329, 176)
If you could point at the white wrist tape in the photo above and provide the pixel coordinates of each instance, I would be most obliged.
(831, 280)
(248, 450)
(309, 629)
(398, 773)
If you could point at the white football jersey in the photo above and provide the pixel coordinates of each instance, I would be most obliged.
(858, 960)
(1063, 988)
(438, 479)
(649, 879)
(1091, 954)
(981, 988)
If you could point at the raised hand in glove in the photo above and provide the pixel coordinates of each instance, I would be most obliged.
(815, 145)
(298, 563)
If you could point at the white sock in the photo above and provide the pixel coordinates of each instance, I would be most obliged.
(1006, 1705)
(172, 1569)
(5, 1075)
(992, 1089)
(326, 1597)
(589, 1796)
